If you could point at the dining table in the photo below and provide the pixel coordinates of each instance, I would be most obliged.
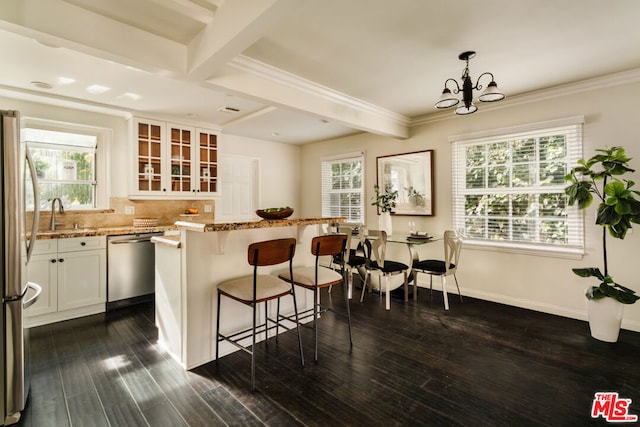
(411, 240)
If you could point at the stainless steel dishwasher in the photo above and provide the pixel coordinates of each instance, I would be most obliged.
(130, 269)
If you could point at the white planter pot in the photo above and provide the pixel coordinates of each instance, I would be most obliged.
(384, 223)
(605, 318)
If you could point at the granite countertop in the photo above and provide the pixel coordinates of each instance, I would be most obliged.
(247, 225)
(185, 225)
(102, 231)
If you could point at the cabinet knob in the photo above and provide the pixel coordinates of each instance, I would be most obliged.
(83, 243)
(53, 261)
(61, 260)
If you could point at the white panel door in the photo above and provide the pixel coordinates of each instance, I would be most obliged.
(238, 179)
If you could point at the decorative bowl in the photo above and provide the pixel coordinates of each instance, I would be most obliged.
(281, 214)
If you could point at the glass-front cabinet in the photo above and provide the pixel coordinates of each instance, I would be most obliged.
(149, 156)
(208, 161)
(174, 160)
(180, 150)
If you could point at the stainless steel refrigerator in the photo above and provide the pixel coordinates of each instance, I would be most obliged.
(16, 245)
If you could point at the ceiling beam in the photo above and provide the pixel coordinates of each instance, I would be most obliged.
(60, 23)
(256, 80)
(236, 26)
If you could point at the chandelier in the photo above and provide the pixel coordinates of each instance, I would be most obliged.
(490, 94)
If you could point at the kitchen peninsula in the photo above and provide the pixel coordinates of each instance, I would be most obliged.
(189, 266)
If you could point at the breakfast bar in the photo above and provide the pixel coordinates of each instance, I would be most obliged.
(189, 266)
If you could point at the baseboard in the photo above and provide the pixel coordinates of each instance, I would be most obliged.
(528, 304)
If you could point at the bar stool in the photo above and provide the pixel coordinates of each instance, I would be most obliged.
(317, 277)
(254, 289)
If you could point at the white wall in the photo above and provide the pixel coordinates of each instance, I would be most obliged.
(537, 282)
(279, 175)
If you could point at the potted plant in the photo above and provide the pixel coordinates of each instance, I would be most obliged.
(385, 202)
(602, 176)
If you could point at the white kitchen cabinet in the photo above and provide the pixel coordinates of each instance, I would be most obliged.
(43, 270)
(73, 276)
(174, 160)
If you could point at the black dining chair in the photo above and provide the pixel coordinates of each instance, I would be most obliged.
(442, 268)
(378, 265)
(352, 258)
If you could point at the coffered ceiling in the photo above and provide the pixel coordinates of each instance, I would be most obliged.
(298, 71)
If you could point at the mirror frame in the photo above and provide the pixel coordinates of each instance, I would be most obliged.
(415, 169)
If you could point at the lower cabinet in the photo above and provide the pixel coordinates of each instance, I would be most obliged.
(73, 276)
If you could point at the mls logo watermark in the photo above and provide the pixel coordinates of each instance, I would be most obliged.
(612, 408)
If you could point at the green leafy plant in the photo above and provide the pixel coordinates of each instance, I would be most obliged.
(601, 176)
(384, 201)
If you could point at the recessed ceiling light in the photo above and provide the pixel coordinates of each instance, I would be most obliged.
(275, 134)
(98, 89)
(42, 85)
(65, 80)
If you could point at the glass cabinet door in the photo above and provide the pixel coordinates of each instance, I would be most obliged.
(207, 162)
(149, 161)
(180, 141)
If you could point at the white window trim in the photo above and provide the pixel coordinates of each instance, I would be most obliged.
(344, 156)
(104, 137)
(571, 252)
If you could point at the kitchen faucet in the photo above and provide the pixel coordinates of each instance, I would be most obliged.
(53, 224)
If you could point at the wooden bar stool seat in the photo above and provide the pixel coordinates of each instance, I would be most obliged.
(317, 277)
(252, 290)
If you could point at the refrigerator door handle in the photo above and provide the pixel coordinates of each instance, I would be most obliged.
(29, 302)
(36, 204)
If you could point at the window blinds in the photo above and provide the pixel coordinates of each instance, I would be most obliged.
(508, 187)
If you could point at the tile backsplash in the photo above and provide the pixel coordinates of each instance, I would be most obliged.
(166, 211)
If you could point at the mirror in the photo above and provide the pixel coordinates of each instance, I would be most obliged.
(411, 175)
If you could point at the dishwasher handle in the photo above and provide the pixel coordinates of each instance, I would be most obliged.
(137, 240)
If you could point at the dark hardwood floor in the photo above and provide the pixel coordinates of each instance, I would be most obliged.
(480, 364)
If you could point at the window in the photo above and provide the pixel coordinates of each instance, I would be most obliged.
(66, 164)
(342, 187)
(509, 188)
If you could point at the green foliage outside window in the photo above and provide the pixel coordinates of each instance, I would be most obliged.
(504, 196)
(67, 172)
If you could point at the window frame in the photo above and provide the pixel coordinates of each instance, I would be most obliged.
(326, 192)
(572, 127)
(103, 140)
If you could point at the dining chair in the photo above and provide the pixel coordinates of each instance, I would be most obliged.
(252, 290)
(315, 278)
(351, 258)
(378, 265)
(442, 268)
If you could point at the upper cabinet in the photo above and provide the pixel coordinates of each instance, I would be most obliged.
(174, 160)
